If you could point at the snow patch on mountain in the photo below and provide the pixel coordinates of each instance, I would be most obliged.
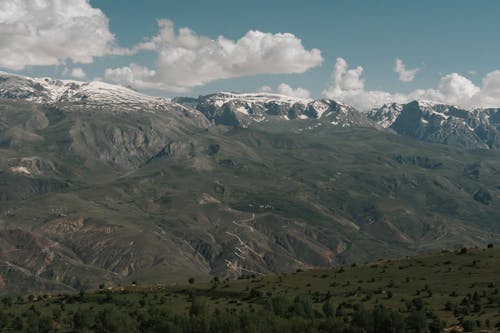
(262, 97)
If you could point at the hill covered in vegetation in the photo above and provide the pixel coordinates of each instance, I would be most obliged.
(449, 291)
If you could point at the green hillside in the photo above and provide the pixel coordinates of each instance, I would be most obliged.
(450, 290)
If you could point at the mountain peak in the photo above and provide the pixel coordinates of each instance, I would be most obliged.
(49, 90)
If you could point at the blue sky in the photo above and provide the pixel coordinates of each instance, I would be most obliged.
(441, 36)
(436, 37)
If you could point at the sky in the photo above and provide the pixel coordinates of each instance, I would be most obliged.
(362, 52)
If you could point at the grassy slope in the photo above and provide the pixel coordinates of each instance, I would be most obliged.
(449, 276)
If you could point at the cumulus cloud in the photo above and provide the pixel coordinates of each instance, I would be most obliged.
(50, 32)
(140, 77)
(78, 73)
(186, 60)
(453, 89)
(267, 89)
(405, 75)
(348, 86)
(285, 89)
(489, 94)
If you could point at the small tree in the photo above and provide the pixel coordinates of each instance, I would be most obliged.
(362, 319)
(45, 324)
(328, 308)
(17, 323)
(4, 320)
(469, 325)
(417, 322)
(436, 326)
(199, 307)
(83, 319)
(7, 301)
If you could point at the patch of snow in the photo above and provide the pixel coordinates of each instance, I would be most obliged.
(468, 127)
(260, 97)
(440, 114)
(321, 107)
(242, 109)
(20, 170)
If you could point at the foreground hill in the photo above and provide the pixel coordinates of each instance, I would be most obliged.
(103, 188)
(451, 291)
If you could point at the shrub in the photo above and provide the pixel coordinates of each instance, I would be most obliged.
(328, 308)
(199, 306)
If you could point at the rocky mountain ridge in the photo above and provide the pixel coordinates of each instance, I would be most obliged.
(236, 109)
(421, 120)
(441, 123)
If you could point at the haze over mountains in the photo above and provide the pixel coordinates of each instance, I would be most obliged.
(102, 183)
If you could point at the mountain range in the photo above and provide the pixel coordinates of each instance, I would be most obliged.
(102, 183)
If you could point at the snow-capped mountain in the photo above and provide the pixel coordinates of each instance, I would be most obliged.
(235, 109)
(421, 120)
(442, 123)
(47, 90)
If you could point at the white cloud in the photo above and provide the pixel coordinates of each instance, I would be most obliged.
(49, 32)
(285, 89)
(453, 89)
(139, 77)
(267, 89)
(405, 75)
(489, 95)
(186, 60)
(347, 79)
(348, 86)
(78, 73)
(344, 81)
